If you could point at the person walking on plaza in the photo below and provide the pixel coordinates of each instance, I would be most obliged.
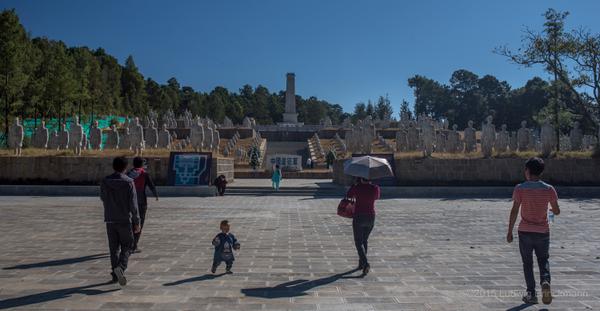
(364, 194)
(224, 244)
(276, 177)
(308, 162)
(118, 195)
(141, 179)
(533, 197)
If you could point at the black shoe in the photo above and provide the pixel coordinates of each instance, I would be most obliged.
(366, 269)
(546, 293)
(530, 299)
(213, 269)
(114, 278)
(137, 250)
(228, 271)
(118, 271)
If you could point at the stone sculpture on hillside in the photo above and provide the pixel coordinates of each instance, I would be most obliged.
(76, 136)
(488, 137)
(513, 143)
(125, 139)
(523, 135)
(41, 136)
(95, 136)
(428, 138)
(401, 139)
(247, 123)
(53, 140)
(470, 138)
(413, 136)
(15, 137)
(227, 122)
(197, 135)
(112, 138)
(440, 141)
(164, 138)
(453, 140)
(548, 138)
(502, 140)
(63, 138)
(576, 137)
(151, 136)
(137, 136)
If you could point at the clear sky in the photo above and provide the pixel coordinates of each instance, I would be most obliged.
(342, 51)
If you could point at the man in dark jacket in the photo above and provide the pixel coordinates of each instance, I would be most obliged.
(121, 216)
(141, 180)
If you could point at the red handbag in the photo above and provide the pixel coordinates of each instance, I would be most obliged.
(346, 208)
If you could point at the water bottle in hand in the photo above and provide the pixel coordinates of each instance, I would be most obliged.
(550, 217)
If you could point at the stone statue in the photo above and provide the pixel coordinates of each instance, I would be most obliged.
(125, 140)
(440, 141)
(112, 138)
(63, 138)
(488, 137)
(164, 138)
(41, 136)
(15, 137)
(95, 136)
(401, 140)
(413, 136)
(523, 137)
(453, 140)
(428, 138)
(217, 139)
(197, 135)
(76, 136)
(470, 138)
(513, 143)
(137, 136)
(247, 122)
(576, 137)
(151, 136)
(227, 122)
(548, 138)
(503, 139)
(208, 137)
(53, 141)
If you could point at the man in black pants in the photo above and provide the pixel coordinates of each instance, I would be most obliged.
(121, 216)
(141, 180)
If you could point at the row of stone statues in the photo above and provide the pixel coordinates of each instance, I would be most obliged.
(132, 136)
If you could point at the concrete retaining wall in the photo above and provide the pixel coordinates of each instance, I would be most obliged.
(485, 172)
(86, 170)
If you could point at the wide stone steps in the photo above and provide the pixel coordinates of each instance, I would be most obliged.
(286, 191)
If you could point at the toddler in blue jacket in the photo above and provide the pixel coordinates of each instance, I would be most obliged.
(224, 244)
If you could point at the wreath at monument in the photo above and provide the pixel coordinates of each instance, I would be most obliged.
(254, 156)
(330, 158)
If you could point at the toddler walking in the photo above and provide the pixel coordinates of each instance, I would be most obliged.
(224, 244)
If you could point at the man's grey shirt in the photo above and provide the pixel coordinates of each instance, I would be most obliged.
(117, 192)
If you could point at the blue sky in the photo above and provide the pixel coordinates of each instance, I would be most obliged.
(341, 51)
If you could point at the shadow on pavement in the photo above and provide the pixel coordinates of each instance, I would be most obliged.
(521, 307)
(54, 295)
(195, 279)
(295, 288)
(59, 262)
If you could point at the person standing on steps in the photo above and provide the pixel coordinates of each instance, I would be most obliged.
(118, 195)
(364, 194)
(276, 177)
(141, 179)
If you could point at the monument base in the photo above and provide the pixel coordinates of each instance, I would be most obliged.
(290, 117)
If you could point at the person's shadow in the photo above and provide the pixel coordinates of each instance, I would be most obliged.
(195, 279)
(295, 288)
(58, 262)
(523, 307)
(54, 295)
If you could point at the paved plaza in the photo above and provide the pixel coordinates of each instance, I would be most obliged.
(426, 254)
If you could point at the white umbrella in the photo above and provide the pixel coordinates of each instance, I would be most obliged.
(368, 167)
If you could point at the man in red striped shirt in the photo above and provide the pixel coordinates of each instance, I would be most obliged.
(533, 197)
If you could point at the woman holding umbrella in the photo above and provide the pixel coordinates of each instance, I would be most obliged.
(364, 193)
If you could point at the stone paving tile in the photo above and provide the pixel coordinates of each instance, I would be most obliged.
(426, 254)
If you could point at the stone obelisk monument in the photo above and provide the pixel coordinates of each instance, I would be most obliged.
(290, 116)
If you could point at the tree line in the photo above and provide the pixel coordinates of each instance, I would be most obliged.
(44, 78)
